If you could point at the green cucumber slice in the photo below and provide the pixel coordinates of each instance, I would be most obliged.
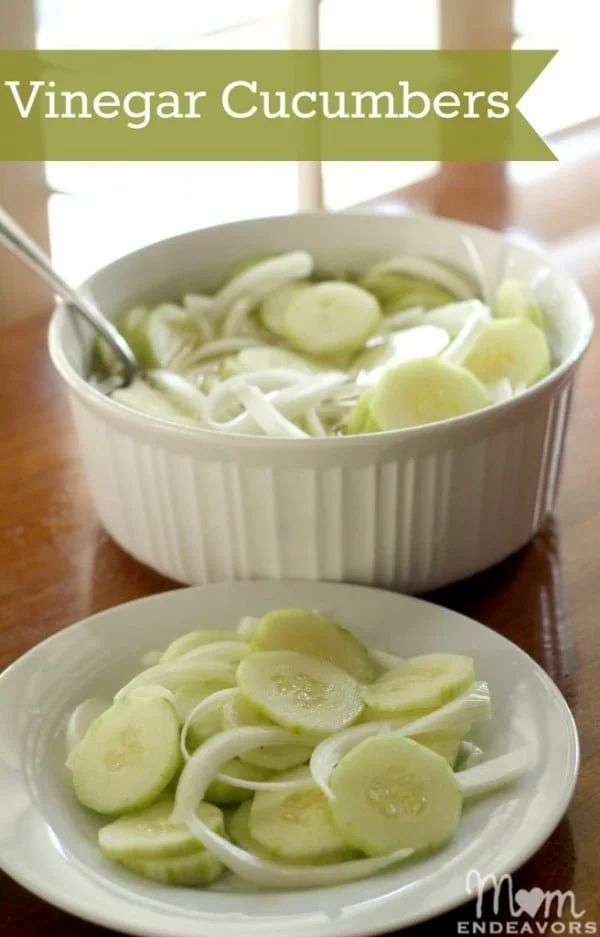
(149, 833)
(514, 348)
(331, 318)
(127, 756)
(360, 414)
(272, 310)
(516, 299)
(425, 391)
(140, 396)
(300, 692)
(193, 639)
(238, 829)
(423, 682)
(187, 696)
(390, 793)
(239, 712)
(296, 825)
(398, 291)
(220, 792)
(168, 329)
(199, 868)
(303, 630)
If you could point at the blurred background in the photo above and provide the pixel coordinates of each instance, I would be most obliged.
(89, 213)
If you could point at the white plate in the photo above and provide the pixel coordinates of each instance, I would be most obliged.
(47, 842)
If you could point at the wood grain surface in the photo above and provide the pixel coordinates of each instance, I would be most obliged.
(57, 565)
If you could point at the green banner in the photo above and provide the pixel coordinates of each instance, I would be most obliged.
(267, 105)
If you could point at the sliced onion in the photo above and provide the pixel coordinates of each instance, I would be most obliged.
(229, 652)
(237, 316)
(151, 658)
(80, 720)
(262, 278)
(265, 414)
(426, 269)
(214, 701)
(459, 347)
(406, 317)
(496, 772)
(479, 270)
(186, 670)
(469, 755)
(247, 625)
(500, 391)
(471, 706)
(314, 424)
(298, 784)
(223, 395)
(219, 347)
(195, 778)
(152, 691)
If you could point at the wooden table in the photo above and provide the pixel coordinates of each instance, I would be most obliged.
(57, 564)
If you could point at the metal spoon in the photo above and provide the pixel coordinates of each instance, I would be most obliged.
(17, 241)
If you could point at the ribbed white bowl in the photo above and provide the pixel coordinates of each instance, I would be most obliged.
(411, 509)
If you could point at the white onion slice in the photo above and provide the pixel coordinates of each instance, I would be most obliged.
(237, 316)
(406, 317)
(470, 755)
(314, 424)
(262, 278)
(223, 395)
(479, 270)
(224, 651)
(221, 346)
(247, 625)
(152, 691)
(500, 391)
(194, 670)
(297, 785)
(427, 269)
(80, 720)
(496, 772)
(472, 706)
(214, 701)
(460, 346)
(151, 658)
(262, 411)
(195, 778)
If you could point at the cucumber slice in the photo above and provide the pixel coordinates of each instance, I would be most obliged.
(149, 834)
(187, 696)
(199, 868)
(398, 291)
(193, 639)
(220, 792)
(296, 825)
(516, 299)
(425, 391)
(360, 415)
(246, 263)
(300, 692)
(168, 329)
(127, 756)
(140, 396)
(238, 829)
(239, 712)
(261, 359)
(272, 309)
(301, 629)
(330, 318)
(512, 348)
(391, 792)
(423, 682)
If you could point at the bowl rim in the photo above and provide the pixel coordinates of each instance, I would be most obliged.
(126, 414)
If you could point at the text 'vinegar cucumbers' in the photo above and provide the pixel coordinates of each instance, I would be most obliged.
(390, 792)
(149, 833)
(301, 629)
(331, 318)
(300, 692)
(127, 756)
(419, 683)
(514, 348)
(425, 391)
(296, 825)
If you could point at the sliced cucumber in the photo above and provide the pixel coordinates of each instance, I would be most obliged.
(398, 291)
(187, 696)
(261, 359)
(425, 391)
(219, 792)
(296, 825)
(514, 348)
(140, 396)
(514, 298)
(193, 639)
(149, 833)
(238, 829)
(272, 309)
(127, 756)
(330, 318)
(199, 868)
(360, 415)
(301, 629)
(167, 330)
(300, 692)
(391, 792)
(239, 712)
(423, 682)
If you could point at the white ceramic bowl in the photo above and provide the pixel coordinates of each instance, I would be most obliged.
(411, 509)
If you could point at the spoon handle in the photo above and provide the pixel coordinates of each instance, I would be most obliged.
(17, 241)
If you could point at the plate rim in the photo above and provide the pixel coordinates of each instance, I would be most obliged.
(61, 900)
